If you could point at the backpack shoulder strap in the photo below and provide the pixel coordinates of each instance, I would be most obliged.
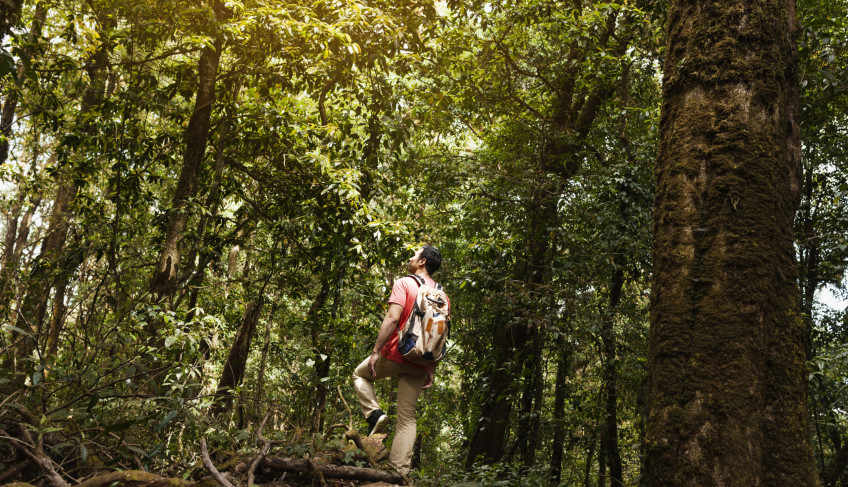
(418, 279)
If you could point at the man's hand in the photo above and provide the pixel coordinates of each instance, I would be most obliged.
(372, 364)
(431, 372)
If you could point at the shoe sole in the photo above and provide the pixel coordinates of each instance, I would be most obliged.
(381, 426)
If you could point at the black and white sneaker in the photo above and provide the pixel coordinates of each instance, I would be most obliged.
(378, 422)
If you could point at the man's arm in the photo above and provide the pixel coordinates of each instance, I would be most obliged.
(390, 323)
(431, 372)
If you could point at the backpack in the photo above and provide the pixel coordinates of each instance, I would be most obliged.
(424, 336)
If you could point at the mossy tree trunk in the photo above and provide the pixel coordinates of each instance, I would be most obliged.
(726, 402)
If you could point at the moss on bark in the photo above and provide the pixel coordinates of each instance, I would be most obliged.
(726, 400)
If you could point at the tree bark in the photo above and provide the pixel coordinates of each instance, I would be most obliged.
(726, 401)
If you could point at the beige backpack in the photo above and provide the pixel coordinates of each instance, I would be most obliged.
(424, 336)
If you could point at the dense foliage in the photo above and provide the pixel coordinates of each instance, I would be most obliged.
(205, 205)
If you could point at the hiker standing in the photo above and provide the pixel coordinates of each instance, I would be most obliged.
(386, 359)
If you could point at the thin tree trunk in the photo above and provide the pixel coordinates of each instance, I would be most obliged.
(608, 338)
(602, 460)
(17, 234)
(574, 113)
(727, 398)
(48, 270)
(166, 274)
(560, 385)
(587, 468)
(489, 438)
(233, 372)
(316, 324)
(538, 399)
(31, 312)
(7, 117)
(260, 380)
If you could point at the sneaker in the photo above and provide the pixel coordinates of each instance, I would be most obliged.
(377, 423)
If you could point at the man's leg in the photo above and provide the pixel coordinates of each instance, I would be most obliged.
(410, 383)
(363, 382)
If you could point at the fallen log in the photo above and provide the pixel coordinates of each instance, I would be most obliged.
(139, 478)
(133, 478)
(334, 471)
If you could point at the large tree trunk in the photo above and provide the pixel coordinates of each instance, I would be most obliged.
(489, 438)
(726, 402)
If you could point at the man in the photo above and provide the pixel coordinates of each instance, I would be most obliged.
(386, 361)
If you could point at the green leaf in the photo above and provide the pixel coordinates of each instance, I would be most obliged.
(164, 422)
(16, 329)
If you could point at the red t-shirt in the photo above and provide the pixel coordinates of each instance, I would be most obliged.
(404, 293)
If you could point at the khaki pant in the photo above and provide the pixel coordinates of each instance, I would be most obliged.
(410, 381)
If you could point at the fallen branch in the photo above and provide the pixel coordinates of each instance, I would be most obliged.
(204, 451)
(266, 447)
(333, 471)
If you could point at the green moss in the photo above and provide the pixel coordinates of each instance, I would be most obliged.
(726, 403)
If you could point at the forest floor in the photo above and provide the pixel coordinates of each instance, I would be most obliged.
(329, 469)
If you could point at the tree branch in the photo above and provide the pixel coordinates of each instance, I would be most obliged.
(204, 451)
